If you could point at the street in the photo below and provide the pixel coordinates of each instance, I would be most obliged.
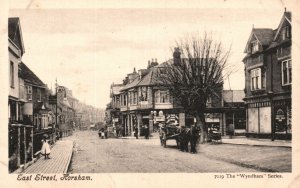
(94, 155)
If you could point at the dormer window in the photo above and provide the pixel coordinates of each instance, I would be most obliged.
(254, 46)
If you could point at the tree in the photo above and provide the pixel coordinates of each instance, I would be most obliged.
(196, 73)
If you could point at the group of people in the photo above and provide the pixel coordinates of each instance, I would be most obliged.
(144, 130)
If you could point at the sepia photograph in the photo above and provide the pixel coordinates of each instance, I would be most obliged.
(150, 88)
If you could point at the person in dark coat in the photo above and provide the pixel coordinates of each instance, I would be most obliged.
(194, 137)
(136, 132)
(146, 132)
(105, 131)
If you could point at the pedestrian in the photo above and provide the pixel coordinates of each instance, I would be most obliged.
(136, 132)
(102, 134)
(194, 137)
(230, 130)
(105, 131)
(45, 147)
(146, 132)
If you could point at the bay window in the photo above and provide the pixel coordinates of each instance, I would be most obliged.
(162, 97)
(256, 79)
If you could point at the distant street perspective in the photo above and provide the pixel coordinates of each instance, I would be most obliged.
(150, 90)
(92, 154)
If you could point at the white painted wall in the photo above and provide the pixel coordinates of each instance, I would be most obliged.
(265, 119)
(253, 120)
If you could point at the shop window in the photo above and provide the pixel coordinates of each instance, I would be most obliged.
(286, 72)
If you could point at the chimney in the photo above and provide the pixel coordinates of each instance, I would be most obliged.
(176, 56)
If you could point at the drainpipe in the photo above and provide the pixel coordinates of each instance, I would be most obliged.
(270, 93)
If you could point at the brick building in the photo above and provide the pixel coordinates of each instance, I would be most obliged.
(141, 101)
(268, 79)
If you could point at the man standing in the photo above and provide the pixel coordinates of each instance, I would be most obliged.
(146, 132)
(194, 138)
(136, 132)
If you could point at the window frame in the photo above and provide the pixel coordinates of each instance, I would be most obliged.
(12, 72)
(39, 94)
(159, 97)
(254, 46)
(256, 79)
(288, 66)
(28, 92)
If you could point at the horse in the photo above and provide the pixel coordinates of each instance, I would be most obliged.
(186, 136)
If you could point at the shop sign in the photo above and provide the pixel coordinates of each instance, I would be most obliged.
(280, 115)
(159, 118)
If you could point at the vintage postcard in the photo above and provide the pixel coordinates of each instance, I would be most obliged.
(149, 93)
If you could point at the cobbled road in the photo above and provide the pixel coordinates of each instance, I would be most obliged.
(94, 155)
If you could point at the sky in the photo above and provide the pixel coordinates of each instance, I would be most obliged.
(88, 45)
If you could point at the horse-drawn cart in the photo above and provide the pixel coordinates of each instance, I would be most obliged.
(168, 132)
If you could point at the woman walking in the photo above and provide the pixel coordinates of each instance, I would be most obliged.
(45, 147)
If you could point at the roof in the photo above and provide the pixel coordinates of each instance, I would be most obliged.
(146, 80)
(131, 84)
(15, 34)
(116, 89)
(286, 16)
(152, 78)
(28, 76)
(264, 36)
(233, 96)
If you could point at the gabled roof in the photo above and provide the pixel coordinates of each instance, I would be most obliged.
(286, 17)
(233, 96)
(28, 76)
(131, 84)
(146, 80)
(263, 35)
(15, 33)
(116, 89)
(152, 78)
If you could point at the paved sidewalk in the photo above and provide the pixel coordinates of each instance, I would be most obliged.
(240, 140)
(60, 155)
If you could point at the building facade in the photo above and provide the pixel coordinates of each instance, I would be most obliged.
(268, 79)
(140, 101)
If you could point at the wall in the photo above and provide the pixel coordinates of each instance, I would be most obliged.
(16, 59)
(265, 119)
(252, 120)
